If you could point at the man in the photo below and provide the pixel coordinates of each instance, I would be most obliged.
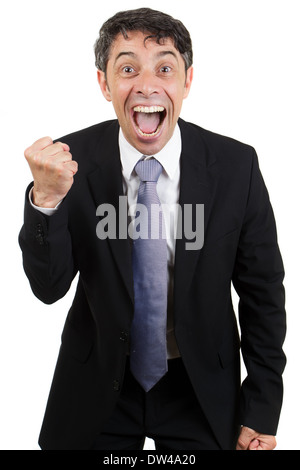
(193, 399)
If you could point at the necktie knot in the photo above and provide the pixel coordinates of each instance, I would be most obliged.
(148, 170)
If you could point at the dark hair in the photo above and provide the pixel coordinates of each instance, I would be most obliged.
(159, 26)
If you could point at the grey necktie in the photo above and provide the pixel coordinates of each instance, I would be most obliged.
(148, 350)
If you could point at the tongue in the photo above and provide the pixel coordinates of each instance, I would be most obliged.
(148, 122)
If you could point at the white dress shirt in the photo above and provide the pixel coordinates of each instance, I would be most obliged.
(168, 193)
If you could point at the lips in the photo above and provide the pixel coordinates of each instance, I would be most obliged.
(148, 120)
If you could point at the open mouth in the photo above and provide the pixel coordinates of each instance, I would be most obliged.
(149, 119)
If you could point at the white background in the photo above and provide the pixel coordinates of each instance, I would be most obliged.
(246, 85)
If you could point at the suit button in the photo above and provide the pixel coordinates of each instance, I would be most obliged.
(40, 239)
(124, 336)
(39, 236)
(116, 385)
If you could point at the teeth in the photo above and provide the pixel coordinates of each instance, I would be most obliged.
(149, 135)
(148, 109)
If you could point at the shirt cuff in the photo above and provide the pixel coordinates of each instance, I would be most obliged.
(44, 210)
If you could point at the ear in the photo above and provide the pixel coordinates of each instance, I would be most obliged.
(188, 81)
(103, 85)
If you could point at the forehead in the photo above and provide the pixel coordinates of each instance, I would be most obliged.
(137, 44)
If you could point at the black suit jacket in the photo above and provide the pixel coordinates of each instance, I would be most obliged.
(240, 247)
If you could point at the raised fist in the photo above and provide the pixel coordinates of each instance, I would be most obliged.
(52, 169)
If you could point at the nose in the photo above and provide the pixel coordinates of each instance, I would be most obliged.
(147, 84)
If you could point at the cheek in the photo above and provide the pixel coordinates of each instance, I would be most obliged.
(175, 92)
(120, 92)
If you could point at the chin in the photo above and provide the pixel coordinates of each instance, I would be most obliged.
(150, 148)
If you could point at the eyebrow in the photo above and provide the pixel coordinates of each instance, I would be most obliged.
(163, 53)
(132, 54)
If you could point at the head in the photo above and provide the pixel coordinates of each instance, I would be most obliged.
(144, 60)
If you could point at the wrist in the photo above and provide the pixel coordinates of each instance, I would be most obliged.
(45, 201)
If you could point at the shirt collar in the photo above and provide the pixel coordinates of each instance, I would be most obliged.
(168, 157)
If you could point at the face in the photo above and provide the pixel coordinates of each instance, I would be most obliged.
(147, 84)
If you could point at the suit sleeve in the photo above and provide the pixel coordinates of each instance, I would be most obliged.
(46, 247)
(258, 280)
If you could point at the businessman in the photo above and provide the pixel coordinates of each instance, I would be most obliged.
(151, 344)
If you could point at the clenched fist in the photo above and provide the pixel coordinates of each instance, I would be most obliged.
(52, 169)
(252, 440)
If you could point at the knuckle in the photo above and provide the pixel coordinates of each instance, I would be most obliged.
(72, 166)
(49, 164)
(75, 170)
(59, 147)
(67, 155)
(44, 142)
(37, 146)
(27, 153)
(36, 159)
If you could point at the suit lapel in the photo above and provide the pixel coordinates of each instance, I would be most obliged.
(196, 187)
(106, 185)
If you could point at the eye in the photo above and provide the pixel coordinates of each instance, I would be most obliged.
(165, 69)
(128, 69)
